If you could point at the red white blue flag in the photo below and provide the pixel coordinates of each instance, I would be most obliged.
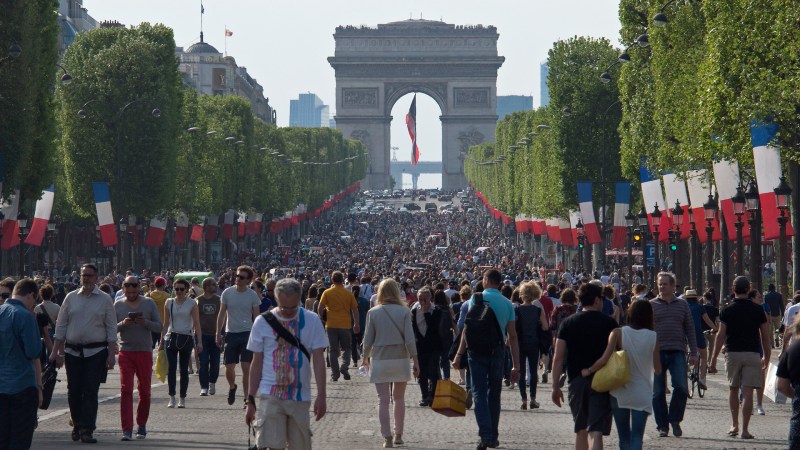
(10, 238)
(44, 206)
(587, 213)
(102, 200)
(411, 123)
(699, 187)
(767, 160)
(622, 205)
(652, 196)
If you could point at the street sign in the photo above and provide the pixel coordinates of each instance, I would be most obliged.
(650, 252)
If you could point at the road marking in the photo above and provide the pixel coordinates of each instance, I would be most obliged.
(64, 411)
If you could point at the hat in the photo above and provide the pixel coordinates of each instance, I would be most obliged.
(160, 281)
(690, 293)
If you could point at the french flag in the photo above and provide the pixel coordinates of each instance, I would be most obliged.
(653, 195)
(520, 223)
(102, 200)
(553, 231)
(726, 177)
(767, 160)
(675, 188)
(197, 231)
(622, 205)
(574, 217)
(212, 226)
(156, 232)
(242, 224)
(587, 213)
(133, 229)
(698, 184)
(10, 237)
(44, 206)
(566, 231)
(227, 225)
(181, 229)
(538, 226)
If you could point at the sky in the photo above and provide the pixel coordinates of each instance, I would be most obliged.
(285, 44)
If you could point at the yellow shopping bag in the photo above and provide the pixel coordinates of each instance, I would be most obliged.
(160, 368)
(449, 399)
(616, 373)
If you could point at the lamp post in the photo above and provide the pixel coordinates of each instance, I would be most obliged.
(695, 273)
(656, 215)
(710, 212)
(630, 220)
(782, 193)
(752, 202)
(581, 233)
(677, 220)
(643, 230)
(123, 230)
(739, 202)
(22, 221)
(51, 232)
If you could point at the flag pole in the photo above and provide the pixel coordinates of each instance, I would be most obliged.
(226, 40)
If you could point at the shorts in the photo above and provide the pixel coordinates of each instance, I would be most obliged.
(281, 422)
(236, 348)
(700, 339)
(591, 410)
(743, 369)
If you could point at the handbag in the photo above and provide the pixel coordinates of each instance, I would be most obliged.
(449, 399)
(160, 367)
(49, 379)
(771, 385)
(616, 373)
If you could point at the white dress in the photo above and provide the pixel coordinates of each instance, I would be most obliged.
(638, 393)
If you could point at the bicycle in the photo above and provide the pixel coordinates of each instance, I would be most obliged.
(694, 377)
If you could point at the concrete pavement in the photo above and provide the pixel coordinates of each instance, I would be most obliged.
(352, 423)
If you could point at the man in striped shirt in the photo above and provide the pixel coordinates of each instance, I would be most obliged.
(674, 329)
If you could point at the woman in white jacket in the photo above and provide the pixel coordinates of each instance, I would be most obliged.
(388, 345)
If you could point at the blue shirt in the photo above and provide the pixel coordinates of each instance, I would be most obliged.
(20, 344)
(502, 307)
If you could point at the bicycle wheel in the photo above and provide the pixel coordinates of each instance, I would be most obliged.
(693, 379)
(701, 392)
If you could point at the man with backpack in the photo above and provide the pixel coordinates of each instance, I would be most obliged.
(489, 320)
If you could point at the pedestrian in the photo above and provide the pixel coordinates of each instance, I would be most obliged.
(580, 342)
(388, 344)
(86, 342)
(633, 402)
(180, 332)
(208, 305)
(700, 318)
(137, 319)
(744, 330)
(425, 320)
(447, 327)
(672, 320)
(530, 319)
(159, 295)
(20, 371)
(775, 301)
(363, 308)
(483, 342)
(6, 288)
(789, 385)
(755, 296)
(280, 375)
(341, 311)
(238, 309)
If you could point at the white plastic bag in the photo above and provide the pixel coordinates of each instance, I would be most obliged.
(771, 385)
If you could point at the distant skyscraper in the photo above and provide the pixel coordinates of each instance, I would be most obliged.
(507, 104)
(308, 111)
(544, 92)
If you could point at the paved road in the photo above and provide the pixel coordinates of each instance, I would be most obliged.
(352, 423)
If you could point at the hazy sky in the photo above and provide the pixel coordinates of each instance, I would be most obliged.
(285, 44)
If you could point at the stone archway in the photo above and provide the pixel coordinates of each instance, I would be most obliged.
(455, 65)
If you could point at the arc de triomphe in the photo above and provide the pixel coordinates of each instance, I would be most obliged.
(454, 65)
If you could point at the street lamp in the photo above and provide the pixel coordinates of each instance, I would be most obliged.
(581, 235)
(643, 228)
(710, 212)
(123, 228)
(739, 203)
(656, 216)
(630, 220)
(754, 220)
(22, 221)
(51, 232)
(782, 193)
(677, 220)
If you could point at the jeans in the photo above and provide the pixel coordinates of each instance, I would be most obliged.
(630, 426)
(673, 361)
(18, 418)
(141, 365)
(487, 383)
(209, 361)
(340, 344)
(83, 383)
(185, 352)
(428, 373)
(528, 356)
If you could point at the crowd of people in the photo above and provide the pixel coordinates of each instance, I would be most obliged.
(402, 297)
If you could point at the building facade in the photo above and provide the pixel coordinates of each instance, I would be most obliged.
(73, 18)
(507, 104)
(544, 91)
(308, 110)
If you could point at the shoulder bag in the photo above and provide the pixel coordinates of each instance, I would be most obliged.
(285, 334)
(615, 374)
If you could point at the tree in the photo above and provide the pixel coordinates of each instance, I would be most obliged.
(120, 119)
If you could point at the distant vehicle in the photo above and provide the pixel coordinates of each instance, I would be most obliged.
(412, 207)
(445, 198)
(421, 198)
(430, 207)
(471, 210)
(403, 209)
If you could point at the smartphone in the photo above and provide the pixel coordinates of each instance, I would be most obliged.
(134, 315)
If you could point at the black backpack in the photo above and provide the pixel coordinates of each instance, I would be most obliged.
(481, 328)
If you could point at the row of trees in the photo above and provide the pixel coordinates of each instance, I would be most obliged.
(126, 119)
(681, 103)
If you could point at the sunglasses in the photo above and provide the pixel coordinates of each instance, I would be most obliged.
(177, 289)
(131, 284)
(242, 277)
(89, 275)
(5, 295)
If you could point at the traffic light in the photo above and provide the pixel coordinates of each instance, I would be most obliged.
(673, 241)
(637, 237)
(580, 241)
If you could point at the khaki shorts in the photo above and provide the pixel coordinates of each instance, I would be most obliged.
(743, 369)
(283, 423)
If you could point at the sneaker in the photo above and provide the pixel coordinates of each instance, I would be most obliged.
(534, 404)
(203, 392)
(76, 435)
(494, 444)
(676, 429)
(388, 442)
(171, 403)
(663, 432)
(87, 438)
(760, 410)
(232, 395)
(468, 402)
(127, 436)
(346, 375)
(398, 439)
(191, 371)
(482, 445)
(182, 403)
(424, 403)
(141, 432)
(212, 389)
